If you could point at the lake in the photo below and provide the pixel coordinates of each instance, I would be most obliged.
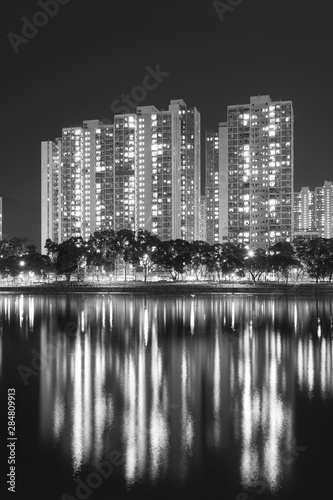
(168, 397)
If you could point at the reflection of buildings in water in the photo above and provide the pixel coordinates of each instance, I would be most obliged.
(227, 364)
(263, 402)
(315, 365)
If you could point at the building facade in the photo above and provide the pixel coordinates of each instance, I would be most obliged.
(260, 166)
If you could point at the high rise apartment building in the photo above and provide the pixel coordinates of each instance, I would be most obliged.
(304, 210)
(190, 168)
(77, 182)
(212, 185)
(51, 191)
(324, 210)
(124, 183)
(142, 171)
(216, 145)
(314, 211)
(260, 168)
(159, 172)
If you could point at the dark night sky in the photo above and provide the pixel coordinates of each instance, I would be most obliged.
(93, 51)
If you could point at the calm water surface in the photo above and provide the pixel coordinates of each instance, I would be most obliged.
(206, 396)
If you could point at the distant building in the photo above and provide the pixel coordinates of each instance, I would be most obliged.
(324, 210)
(314, 211)
(304, 210)
(260, 165)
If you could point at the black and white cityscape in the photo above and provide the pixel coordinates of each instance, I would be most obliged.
(166, 250)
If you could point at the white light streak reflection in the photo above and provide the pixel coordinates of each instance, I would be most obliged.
(31, 314)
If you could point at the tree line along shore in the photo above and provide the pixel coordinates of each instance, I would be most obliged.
(110, 257)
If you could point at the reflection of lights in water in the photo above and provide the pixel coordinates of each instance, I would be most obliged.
(233, 315)
(276, 416)
(187, 431)
(217, 391)
(192, 318)
(99, 400)
(217, 377)
(129, 431)
(279, 348)
(31, 314)
(58, 416)
(142, 413)
(295, 318)
(21, 310)
(310, 369)
(7, 315)
(90, 391)
(300, 363)
(318, 328)
(77, 434)
(249, 457)
(264, 414)
(323, 367)
(111, 314)
(145, 326)
(103, 314)
(82, 321)
(88, 400)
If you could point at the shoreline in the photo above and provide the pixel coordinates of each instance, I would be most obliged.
(170, 288)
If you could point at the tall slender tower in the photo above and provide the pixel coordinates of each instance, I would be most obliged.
(190, 133)
(260, 172)
(216, 168)
(125, 165)
(212, 184)
(324, 209)
(304, 210)
(159, 161)
(51, 191)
